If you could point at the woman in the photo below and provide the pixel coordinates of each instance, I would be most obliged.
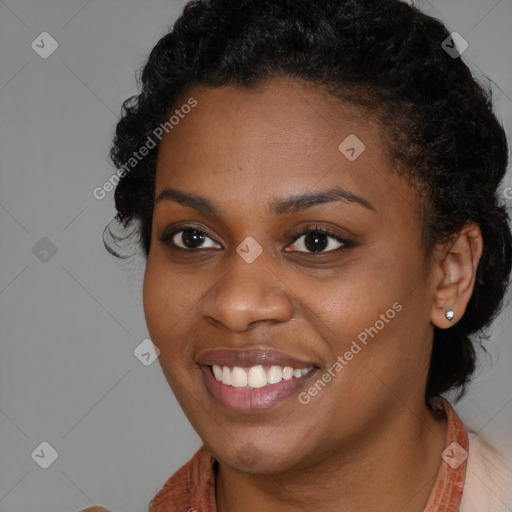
(314, 185)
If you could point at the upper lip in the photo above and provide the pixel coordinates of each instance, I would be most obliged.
(251, 357)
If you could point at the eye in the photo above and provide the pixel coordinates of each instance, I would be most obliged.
(189, 237)
(317, 240)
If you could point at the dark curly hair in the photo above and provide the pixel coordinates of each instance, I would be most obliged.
(384, 56)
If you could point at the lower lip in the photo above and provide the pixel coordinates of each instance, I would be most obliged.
(253, 399)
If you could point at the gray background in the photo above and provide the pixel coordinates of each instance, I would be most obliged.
(70, 321)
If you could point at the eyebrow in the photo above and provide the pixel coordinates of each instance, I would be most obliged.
(283, 206)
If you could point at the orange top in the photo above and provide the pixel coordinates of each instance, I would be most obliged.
(192, 487)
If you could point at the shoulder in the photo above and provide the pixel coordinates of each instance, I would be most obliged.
(488, 481)
(192, 486)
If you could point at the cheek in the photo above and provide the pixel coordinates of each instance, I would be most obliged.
(156, 299)
(168, 306)
(379, 304)
(357, 294)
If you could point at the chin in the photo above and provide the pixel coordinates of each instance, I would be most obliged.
(259, 456)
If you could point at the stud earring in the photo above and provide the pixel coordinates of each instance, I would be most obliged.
(450, 315)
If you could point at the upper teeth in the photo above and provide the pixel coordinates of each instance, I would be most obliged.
(256, 376)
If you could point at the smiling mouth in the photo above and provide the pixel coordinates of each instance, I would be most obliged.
(249, 389)
(256, 376)
(255, 379)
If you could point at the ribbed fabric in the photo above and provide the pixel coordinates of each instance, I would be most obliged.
(192, 487)
(447, 491)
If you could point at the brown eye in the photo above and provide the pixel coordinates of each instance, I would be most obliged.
(189, 238)
(317, 240)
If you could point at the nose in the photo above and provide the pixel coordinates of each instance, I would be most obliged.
(248, 294)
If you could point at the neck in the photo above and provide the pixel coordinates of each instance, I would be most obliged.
(392, 469)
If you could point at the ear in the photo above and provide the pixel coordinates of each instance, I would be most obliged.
(456, 263)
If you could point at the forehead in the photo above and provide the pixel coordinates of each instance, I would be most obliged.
(272, 140)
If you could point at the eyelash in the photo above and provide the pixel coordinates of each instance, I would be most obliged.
(167, 237)
(319, 229)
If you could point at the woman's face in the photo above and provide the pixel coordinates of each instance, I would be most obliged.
(250, 170)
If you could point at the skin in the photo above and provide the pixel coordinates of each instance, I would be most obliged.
(367, 441)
